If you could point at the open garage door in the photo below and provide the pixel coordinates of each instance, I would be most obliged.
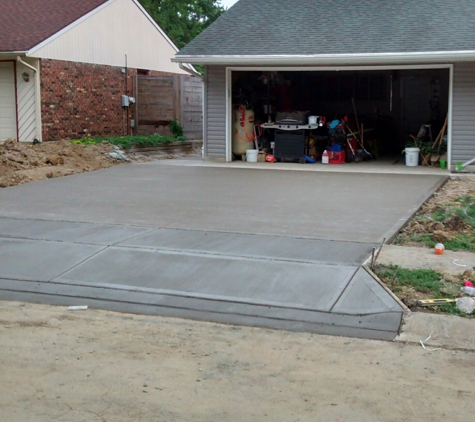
(384, 107)
(8, 120)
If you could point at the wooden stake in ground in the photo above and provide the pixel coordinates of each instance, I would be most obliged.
(373, 262)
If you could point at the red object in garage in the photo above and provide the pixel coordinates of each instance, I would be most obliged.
(336, 157)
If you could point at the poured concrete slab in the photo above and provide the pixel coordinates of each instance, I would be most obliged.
(39, 260)
(255, 246)
(98, 234)
(365, 294)
(242, 246)
(268, 282)
(329, 206)
(180, 273)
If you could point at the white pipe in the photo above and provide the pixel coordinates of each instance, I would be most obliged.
(468, 162)
(191, 71)
(26, 64)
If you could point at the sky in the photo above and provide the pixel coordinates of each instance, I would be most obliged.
(228, 3)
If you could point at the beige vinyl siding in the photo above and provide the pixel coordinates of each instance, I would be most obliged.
(463, 112)
(215, 112)
(105, 37)
(26, 99)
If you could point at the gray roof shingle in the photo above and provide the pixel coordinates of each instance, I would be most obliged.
(316, 27)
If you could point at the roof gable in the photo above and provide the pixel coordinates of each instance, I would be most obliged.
(26, 23)
(320, 27)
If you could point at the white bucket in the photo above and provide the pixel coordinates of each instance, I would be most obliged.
(312, 120)
(412, 157)
(251, 155)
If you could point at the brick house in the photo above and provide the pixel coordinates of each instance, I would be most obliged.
(65, 65)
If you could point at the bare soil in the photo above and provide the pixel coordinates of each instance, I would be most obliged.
(445, 197)
(60, 365)
(454, 266)
(22, 163)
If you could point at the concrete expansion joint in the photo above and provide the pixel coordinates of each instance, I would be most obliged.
(217, 255)
(80, 263)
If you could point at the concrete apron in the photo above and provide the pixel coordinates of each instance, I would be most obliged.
(259, 280)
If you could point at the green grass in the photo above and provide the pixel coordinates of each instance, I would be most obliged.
(461, 242)
(425, 283)
(126, 142)
(463, 207)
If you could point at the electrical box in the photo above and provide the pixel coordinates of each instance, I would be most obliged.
(125, 101)
(131, 100)
(132, 123)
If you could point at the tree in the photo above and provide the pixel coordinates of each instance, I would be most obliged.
(183, 20)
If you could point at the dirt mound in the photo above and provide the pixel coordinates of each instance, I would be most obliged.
(22, 163)
(456, 224)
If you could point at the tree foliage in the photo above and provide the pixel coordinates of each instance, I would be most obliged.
(183, 20)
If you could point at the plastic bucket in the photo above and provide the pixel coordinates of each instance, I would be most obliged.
(312, 120)
(412, 157)
(251, 155)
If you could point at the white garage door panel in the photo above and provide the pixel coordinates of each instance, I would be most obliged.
(7, 102)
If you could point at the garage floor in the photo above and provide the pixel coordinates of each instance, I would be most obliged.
(256, 247)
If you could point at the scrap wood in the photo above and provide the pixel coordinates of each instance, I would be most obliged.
(434, 302)
(440, 136)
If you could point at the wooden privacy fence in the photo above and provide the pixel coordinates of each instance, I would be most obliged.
(160, 99)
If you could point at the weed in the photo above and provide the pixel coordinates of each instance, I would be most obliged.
(460, 242)
(176, 129)
(412, 285)
(126, 142)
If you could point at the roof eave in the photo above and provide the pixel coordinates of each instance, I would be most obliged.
(21, 53)
(330, 59)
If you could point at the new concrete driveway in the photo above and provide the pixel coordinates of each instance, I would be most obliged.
(261, 247)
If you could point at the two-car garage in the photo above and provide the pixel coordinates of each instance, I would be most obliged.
(386, 104)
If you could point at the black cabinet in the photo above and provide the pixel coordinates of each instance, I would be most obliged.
(290, 145)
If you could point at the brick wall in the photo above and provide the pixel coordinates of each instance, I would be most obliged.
(80, 99)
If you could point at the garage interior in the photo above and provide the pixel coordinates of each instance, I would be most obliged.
(295, 116)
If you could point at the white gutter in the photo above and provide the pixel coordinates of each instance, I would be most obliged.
(18, 58)
(190, 70)
(322, 59)
(11, 53)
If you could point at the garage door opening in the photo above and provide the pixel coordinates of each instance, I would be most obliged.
(358, 115)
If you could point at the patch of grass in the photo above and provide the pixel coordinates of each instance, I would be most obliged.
(460, 242)
(126, 142)
(425, 281)
(412, 285)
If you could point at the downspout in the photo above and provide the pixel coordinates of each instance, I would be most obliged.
(190, 70)
(26, 64)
